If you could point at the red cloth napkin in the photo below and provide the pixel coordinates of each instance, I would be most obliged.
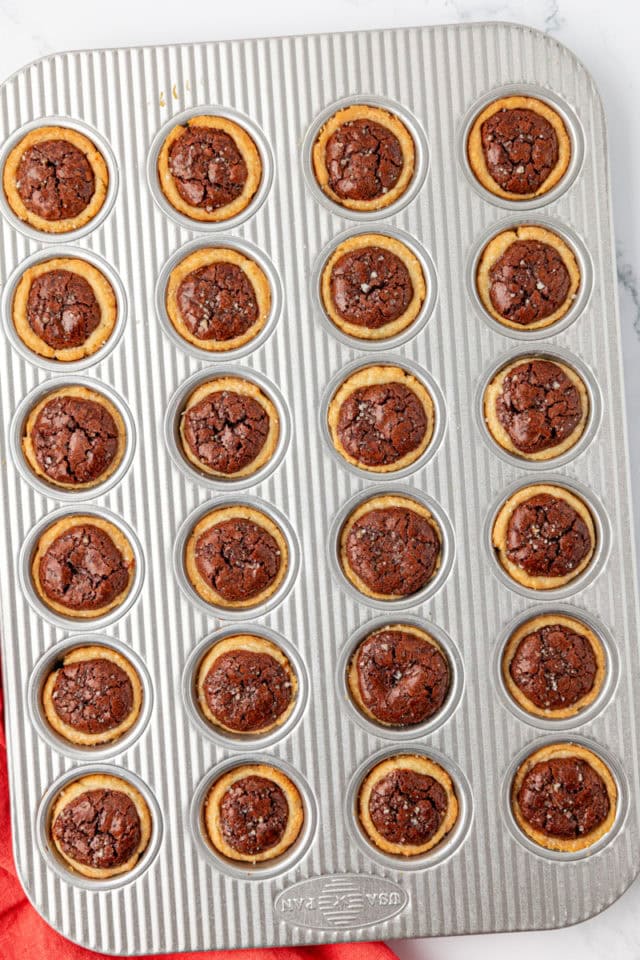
(23, 932)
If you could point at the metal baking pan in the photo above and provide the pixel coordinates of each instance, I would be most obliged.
(333, 886)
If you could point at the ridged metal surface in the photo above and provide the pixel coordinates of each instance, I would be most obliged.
(492, 882)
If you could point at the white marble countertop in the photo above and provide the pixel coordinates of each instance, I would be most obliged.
(605, 38)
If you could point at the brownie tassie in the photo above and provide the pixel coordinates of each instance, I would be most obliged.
(218, 299)
(399, 676)
(364, 158)
(229, 428)
(381, 418)
(407, 805)
(527, 277)
(536, 408)
(100, 825)
(74, 438)
(372, 286)
(246, 685)
(564, 797)
(55, 179)
(519, 147)
(236, 557)
(253, 813)
(93, 696)
(544, 536)
(83, 567)
(554, 666)
(209, 168)
(64, 309)
(390, 547)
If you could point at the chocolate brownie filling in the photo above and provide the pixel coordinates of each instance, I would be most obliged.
(217, 302)
(247, 690)
(529, 282)
(92, 696)
(407, 807)
(380, 424)
(403, 679)
(55, 180)
(564, 797)
(393, 550)
(83, 569)
(363, 159)
(74, 439)
(100, 829)
(538, 406)
(253, 815)
(520, 149)
(547, 537)
(208, 169)
(226, 430)
(237, 558)
(370, 287)
(62, 309)
(554, 667)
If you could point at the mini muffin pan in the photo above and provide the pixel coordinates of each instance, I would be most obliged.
(331, 884)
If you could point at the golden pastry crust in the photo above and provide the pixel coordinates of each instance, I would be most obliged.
(79, 737)
(95, 160)
(476, 155)
(382, 502)
(103, 781)
(500, 435)
(370, 376)
(495, 249)
(352, 670)
(248, 389)
(204, 257)
(246, 148)
(82, 393)
(102, 291)
(56, 530)
(254, 644)
(385, 119)
(201, 586)
(538, 623)
(416, 273)
(295, 820)
(418, 764)
(553, 752)
(501, 524)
